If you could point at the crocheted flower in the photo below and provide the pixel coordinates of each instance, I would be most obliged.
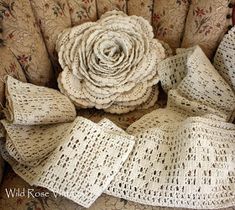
(110, 64)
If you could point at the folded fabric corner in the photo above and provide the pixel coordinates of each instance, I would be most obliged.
(28, 104)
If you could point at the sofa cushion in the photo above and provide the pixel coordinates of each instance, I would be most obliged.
(233, 14)
(206, 24)
(141, 8)
(22, 35)
(9, 66)
(82, 11)
(104, 6)
(1, 30)
(169, 19)
(53, 17)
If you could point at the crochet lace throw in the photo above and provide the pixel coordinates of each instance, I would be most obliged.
(29, 144)
(28, 104)
(179, 156)
(83, 164)
(184, 155)
(224, 60)
(110, 64)
(194, 86)
(181, 164)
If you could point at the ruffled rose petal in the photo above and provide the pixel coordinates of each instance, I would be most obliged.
(110, 64)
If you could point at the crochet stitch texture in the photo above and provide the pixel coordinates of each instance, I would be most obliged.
(179, 156)
(110, 64)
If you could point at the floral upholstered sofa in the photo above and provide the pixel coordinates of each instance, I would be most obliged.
(28, 33)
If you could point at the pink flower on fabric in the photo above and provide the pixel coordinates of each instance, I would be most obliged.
(199, 12)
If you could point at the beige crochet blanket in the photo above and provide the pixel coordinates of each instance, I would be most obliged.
(180, 156)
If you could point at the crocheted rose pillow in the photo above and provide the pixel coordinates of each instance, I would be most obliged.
(110, 64)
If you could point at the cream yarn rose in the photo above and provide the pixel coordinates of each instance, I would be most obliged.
(110, 64)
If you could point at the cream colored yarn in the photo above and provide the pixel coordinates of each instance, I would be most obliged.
(224, 60)
(146, 101)
(194, 86)
(28, 104)
(181, 164)
(29, 144)
(110, 64)
(184, 155)
(180, 156)
(83, 164)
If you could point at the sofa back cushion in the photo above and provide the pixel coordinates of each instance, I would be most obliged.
(53, 17)
(9, 66)
(108, 5)
(82, 11)
(169, 20)
(142, 8)
(206, 24)
(22, 35)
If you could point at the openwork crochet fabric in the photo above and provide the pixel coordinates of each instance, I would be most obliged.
(184, 154)
(28, 104)
(180, 164)
(29, 144)
(180, 156)
(224, 60)
(110, 64)
(194, 86)
(83, 163)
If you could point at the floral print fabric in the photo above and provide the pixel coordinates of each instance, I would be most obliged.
(142, 8)
(206, 24)
(1, 30)
(9, 66)
(22, 35)
(53, 17)
(168, 20)
(82, 11)
(108, 5)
